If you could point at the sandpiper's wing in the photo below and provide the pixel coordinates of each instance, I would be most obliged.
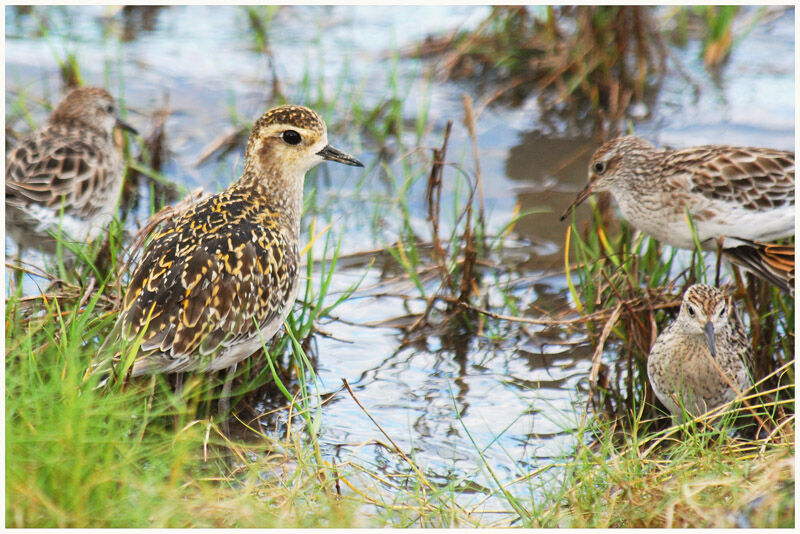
(758, 179)
(208, 282)
(48, 169)
(768, 261)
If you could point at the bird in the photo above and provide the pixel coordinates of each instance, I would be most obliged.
(218, 280)
(741, 196)
(65, 177)
(702, 359)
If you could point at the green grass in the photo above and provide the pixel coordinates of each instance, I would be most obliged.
(700, 478)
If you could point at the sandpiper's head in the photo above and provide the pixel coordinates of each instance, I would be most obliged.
(289, 141)
(90, 107)
(612, 165)
(704, 311)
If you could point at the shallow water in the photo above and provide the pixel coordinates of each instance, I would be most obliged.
(518, 398)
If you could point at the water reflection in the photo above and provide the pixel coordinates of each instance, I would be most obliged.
(137, 20)
(550, 170)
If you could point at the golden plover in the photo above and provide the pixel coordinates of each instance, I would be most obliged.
(744, 195)
(219, 280)
(703, 359)
(65, 177)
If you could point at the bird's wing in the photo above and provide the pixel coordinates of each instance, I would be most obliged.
(48, 170)
(769, 261)
(197, 292)
(757, 179)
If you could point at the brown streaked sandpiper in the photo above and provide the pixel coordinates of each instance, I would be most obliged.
(744, 195)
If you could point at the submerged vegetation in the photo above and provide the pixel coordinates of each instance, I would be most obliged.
(136, 454)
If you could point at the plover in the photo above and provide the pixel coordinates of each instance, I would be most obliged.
(219, 280)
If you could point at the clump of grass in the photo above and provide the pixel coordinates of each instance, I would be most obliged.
(445, 262)
(622, 285)
(714, 26)
(68, 65)
(454, 260)
(603, 56)
(79, 457)
(700, 477)
(70, 71)
(718, 40)
(260, 20)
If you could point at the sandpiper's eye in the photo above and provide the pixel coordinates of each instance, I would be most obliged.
(722, 311)
(291, 137)
(691, 311)
(599, 167)
(110, 109)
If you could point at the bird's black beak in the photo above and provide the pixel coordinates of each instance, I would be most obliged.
(334, 154)
(709, 331)
(127, 127)
(585, 192)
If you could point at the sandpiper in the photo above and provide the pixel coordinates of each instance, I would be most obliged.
(65, 178)
(703, 359)
(743, 195)
(219, 280)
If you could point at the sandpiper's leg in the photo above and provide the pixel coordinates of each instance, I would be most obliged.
(178, 384)
(225, 398)
(720, 241)
(178, 390)
(755, 327)
(18, 274)
(677, 419)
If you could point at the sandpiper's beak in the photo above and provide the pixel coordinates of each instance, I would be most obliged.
(127, 127)
(709, 331)
(585, 192)
(334, 154)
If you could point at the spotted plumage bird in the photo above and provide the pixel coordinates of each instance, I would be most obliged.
(703, 359)
(744, 195)
(65, 178)
(219, 280)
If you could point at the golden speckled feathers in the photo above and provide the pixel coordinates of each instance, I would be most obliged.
(210, 280)
(220, 279)
(297, 116)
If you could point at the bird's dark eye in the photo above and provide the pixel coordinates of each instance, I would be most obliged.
(291, 137)
(691, 311)
(722, 311)
(110, 109)
(599, 167)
